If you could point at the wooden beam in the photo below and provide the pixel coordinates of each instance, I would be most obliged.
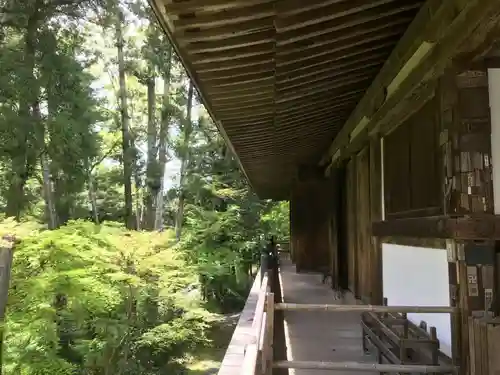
(250, 80)
(329, 98)
(351, 80)
(295, 122)
(366, 308)
(484, 227)
(243, 88)
(329, 76)
(266, 67)
(314, 31)
(247, 113)
(314, 16)
(367, 42)
(250, 40)
(238, 53)
(247, 62)
(243, 106)
(321, 110)
(250, 77)
(428, 227)
(250, 116)
(193, 6)
(326, 40)
(233, 123)
(319, 84)
(331, 66)
(225, 17)
(322, 60)
(226, 31)
(447, 23)
(228, 102)
(293, 7)
(366, 367)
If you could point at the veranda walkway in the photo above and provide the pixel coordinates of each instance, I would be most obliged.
(319, 336)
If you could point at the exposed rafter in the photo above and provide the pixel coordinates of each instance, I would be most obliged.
(281, 77)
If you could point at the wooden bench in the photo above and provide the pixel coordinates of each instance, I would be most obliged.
(397, 340)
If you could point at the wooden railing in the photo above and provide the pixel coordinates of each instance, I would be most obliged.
(259, 355)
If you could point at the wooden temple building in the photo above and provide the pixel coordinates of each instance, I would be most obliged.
(379, 120)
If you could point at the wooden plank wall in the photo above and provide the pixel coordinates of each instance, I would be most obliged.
(310, 213)
(412, 184)
(363, 186)
(472, 190)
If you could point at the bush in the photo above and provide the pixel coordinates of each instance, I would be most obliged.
(100, 299)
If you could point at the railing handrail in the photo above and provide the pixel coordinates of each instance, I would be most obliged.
(260, 348)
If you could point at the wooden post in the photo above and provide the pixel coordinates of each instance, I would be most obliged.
(364, 334)
(435, 349)
(463, 303)
(403, 353)
(259, 312)
(267, 352)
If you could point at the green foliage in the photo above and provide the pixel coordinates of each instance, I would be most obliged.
(277, 220)
(98, 299)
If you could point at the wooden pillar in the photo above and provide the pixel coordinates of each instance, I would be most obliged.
(376, 296)
(351, 208)
(310, 206)
(364, 256)
(334, 228)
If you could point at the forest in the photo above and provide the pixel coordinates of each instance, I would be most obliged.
(129, 237)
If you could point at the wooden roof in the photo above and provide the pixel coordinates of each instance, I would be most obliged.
(281, 77)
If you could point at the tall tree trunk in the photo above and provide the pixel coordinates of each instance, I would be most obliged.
(139, 207)
(188, 127)
(152, 168)
(41, 134)
(48, 195)
(125, 120)
(92, 197)
(162, 141)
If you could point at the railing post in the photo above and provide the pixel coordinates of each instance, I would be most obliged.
(263, 266)
(269, 344)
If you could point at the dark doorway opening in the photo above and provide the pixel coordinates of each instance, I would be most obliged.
(341, 218)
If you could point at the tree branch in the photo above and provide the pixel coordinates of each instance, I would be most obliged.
(104, 156)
